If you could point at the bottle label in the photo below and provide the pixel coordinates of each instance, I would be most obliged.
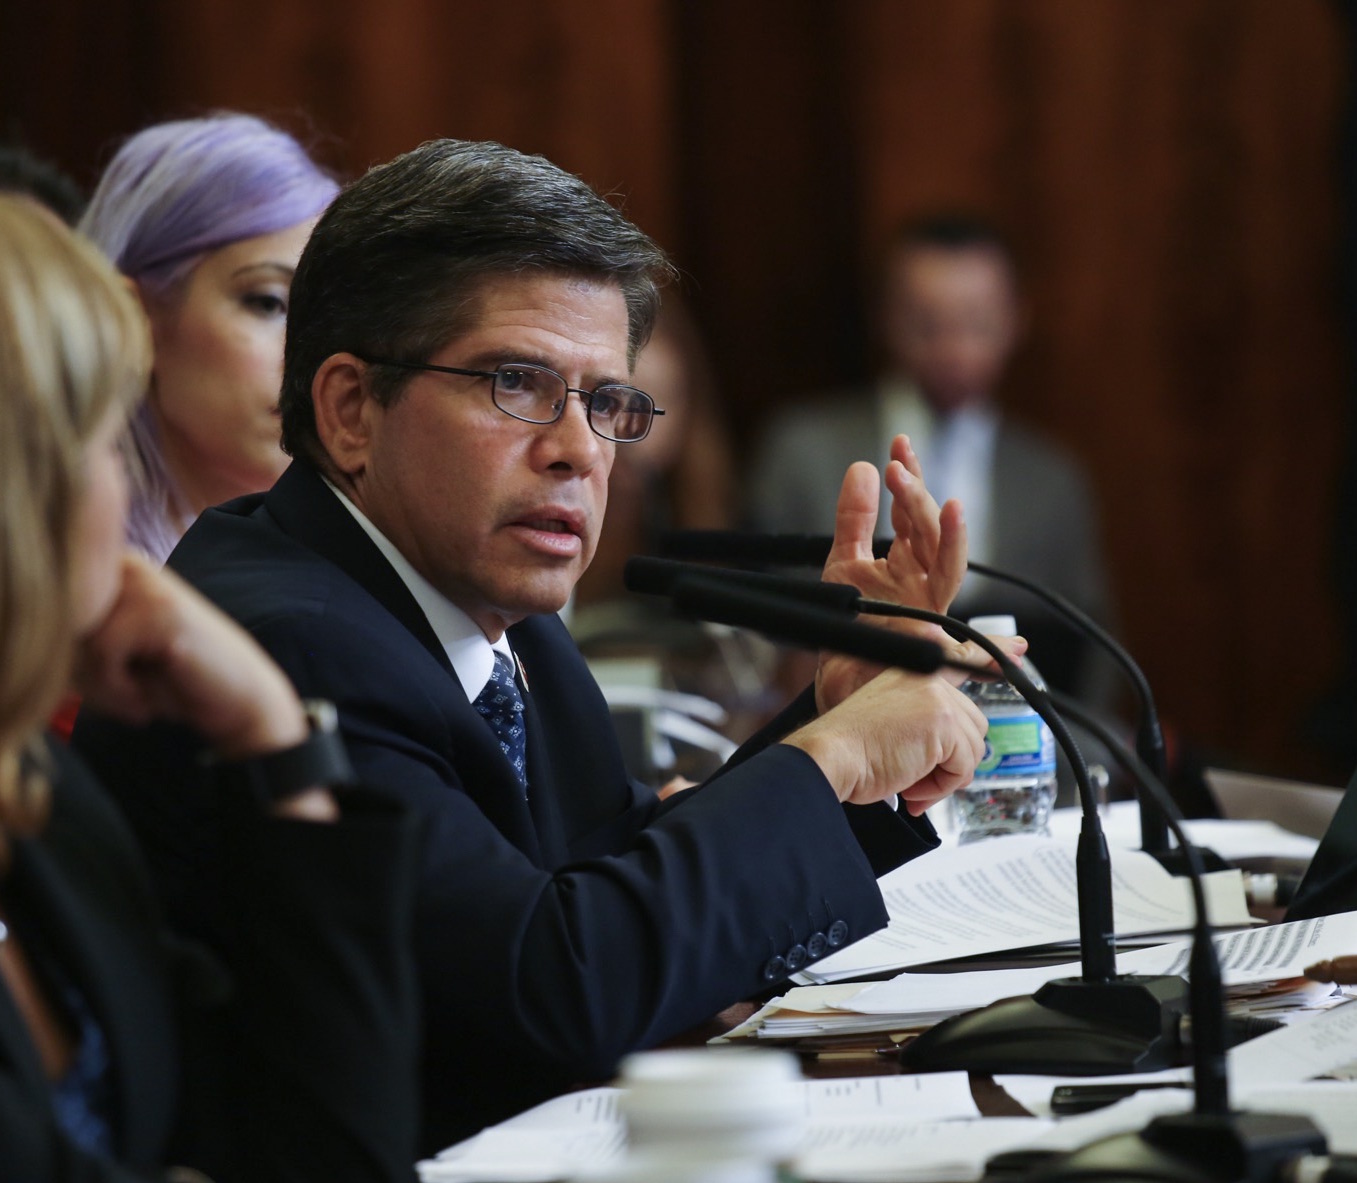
(1018, 745)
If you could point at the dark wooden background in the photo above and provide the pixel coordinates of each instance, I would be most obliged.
(1170, 171)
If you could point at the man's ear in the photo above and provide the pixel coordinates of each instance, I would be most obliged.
(344, 410)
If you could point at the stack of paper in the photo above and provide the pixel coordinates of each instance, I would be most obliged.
(1253, 963)
(854, 1128)
(1016, 893)
(897, 1129)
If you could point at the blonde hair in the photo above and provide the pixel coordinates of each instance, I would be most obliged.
(74, 348)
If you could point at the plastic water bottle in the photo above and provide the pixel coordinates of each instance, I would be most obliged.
(1014, 786)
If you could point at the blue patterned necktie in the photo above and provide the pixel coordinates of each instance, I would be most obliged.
(501, 705)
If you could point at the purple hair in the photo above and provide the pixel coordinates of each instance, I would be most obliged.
(177, 190)
(171, 194)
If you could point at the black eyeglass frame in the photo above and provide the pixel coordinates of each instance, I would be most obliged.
(586, 395)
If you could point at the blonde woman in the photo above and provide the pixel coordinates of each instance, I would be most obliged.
(121, 1051)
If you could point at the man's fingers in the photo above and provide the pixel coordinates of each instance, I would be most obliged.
(937, 786)
(855, 517)
(950, 567)
(922, 797)
(903, 451)
(954, 771)
(914, 513)
(973, 654)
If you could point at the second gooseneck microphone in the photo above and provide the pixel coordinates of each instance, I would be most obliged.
(1097, 1023)
(811, 550)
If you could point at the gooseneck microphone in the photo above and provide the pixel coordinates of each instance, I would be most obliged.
(1211, 1144)
(1097, 1023)
(811, 550)
(657, 577)
(708, 596)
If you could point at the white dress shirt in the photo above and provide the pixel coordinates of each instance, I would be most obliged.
(472, 654)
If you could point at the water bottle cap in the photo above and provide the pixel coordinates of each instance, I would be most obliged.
(995, 626)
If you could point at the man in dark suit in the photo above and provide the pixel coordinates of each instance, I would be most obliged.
(462, 329)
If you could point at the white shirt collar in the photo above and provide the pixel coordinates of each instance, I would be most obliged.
(472, 654)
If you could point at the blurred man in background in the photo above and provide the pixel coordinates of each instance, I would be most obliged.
(949, 316)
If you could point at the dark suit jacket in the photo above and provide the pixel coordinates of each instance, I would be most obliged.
(298, 1065)
(554, 933)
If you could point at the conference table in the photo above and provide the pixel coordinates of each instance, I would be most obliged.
(843, 1057)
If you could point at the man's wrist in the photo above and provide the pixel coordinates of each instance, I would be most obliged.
(826, 750)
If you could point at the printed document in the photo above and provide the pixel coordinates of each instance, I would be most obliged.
(1256, 955)
(858, 1123)
(1016, 893)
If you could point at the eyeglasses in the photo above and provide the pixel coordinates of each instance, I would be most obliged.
(536, 394)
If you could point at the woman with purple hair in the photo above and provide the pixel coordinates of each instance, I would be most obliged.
(207, 217)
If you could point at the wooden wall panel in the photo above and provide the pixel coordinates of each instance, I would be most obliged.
(73, 75)
(769, 178)
(588, 85)
(1167, 171)
(1167, 168)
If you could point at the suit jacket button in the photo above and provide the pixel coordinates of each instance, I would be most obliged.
(795, 958)
(816, 946)
(775, 969)
(838, 933)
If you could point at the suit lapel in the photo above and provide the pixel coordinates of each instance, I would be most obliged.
(308, 511)
(312, 515)
(577, 785)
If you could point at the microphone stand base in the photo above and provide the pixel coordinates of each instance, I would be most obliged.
(1069, 1027)
(1191, 1148)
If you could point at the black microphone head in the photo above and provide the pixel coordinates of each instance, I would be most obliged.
(754, 550)
(658, 577)
(701, 597)
(653, 577)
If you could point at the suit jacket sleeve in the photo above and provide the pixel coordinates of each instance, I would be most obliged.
(623, 943)
(888, 837)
